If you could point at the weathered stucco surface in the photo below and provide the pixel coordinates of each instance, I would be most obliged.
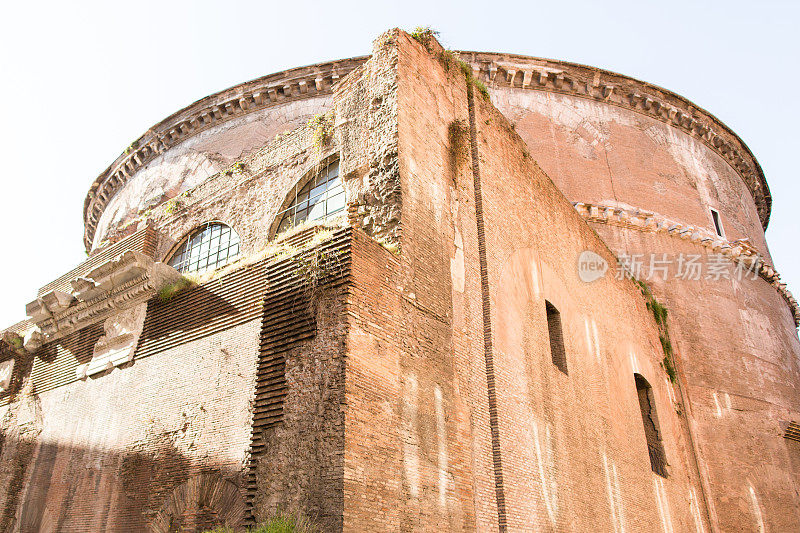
(599, 153)
(185, 166)
(735, 340)
(739, 357)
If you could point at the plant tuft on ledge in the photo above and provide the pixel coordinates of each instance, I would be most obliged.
(280, 523)
(168, 292)
(449, 58)
(323, 130)
(423, 35)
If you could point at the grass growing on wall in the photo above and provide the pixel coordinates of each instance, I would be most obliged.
(424, 35)
(171, 290)
(660, 316)
(280, 523)
(448, 58)
(478, 84)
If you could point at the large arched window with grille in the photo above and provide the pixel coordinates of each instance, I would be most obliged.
(318, 199)
(210, 246)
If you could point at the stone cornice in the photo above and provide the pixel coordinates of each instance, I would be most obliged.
(499, 70)
(739, 251)
(213, 110)
(116, 285)
(516, 71)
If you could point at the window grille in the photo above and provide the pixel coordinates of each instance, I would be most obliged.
(208, 247)
(555, 332)
(318, 199)
(792, 432)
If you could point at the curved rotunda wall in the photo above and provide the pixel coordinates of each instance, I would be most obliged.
(187, 147)
(607, 155)
(191, 162)
(602, 137)
(602, 142)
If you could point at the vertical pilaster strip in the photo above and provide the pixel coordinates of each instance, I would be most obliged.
(487, 318)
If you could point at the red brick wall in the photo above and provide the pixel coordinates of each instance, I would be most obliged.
(738, 352)
(737, 345)
(300, 467)
(419, 447)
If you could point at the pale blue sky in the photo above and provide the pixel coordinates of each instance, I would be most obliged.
(81, 80)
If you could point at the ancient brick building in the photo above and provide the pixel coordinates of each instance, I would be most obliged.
(414, 291)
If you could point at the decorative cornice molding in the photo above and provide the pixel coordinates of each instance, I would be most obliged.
(501, 71)
(114, 286)
(117, 345)
(738, 251)
(524, 72)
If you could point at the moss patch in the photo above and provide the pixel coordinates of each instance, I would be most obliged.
(14, 342)
(170, 291)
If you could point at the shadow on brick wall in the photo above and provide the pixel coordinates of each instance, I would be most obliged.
(149, 486)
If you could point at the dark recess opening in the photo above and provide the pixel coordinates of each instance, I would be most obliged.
(557, 351)
(658, 459)
(717, 222)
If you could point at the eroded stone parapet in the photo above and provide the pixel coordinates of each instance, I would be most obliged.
(738, 251)
(49, 304)
(103, 279)
(33, 340)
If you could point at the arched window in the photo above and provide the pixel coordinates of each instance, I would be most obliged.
(318, 199)
(647, 405)
(210, 246)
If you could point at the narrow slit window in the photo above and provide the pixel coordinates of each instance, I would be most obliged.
(555, 332)
(655, 447)
(717, 222)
